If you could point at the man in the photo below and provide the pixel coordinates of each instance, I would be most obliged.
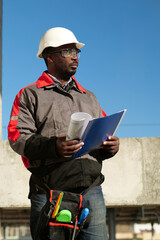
(38, 126)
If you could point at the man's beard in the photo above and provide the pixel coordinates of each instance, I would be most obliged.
(67, 74)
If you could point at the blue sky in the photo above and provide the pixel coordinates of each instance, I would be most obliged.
(120, 62)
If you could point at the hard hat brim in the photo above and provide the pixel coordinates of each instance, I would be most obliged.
(78, 45)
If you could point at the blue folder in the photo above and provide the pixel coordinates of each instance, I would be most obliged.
(98, 130)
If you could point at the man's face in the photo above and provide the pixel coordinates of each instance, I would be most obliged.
(65, 67)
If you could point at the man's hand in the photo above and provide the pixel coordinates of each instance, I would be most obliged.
(67, 148)
(111, 145)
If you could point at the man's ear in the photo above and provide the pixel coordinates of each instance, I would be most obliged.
(50, 58)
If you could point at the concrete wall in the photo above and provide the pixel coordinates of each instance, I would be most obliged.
(0, 69)
(132, 177)
(13, 178)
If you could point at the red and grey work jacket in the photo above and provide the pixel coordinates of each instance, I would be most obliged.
(40, 113)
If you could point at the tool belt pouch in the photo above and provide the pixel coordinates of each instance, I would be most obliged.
(60, 223)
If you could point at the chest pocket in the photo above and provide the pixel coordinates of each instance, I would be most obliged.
(55, 120)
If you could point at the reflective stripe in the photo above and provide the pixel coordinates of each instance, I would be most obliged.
(14, 118)
(13, 132)
(25, 161)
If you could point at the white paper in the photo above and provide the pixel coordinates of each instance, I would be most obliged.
(78, 123)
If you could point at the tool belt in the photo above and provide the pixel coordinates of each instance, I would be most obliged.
(62, 217)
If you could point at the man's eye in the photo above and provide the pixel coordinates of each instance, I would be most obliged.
(65, 51)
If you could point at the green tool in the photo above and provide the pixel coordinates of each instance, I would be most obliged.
(64, 216)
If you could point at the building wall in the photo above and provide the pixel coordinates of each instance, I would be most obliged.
(131, 177)
(0, 69)
(13, 178)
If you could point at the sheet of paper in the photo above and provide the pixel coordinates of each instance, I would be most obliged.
(77, 126)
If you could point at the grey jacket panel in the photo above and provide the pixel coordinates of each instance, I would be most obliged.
(46, 112)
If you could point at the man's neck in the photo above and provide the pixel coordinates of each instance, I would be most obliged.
(63, 80)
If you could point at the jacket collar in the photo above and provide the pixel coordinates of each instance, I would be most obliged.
(45, 80)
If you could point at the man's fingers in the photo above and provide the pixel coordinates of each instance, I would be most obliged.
(65, 148)
(72, 150)
(112, 140)
(74, 147)
(73, 142)
(111, 143)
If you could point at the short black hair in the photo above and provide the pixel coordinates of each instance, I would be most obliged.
(45, 52)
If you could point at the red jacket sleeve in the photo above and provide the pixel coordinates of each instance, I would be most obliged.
(104, 114)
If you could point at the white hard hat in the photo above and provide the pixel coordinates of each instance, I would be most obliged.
(56, 37)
